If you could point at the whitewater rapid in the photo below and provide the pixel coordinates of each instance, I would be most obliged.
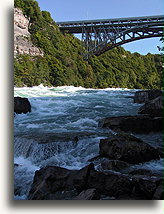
(62, 128)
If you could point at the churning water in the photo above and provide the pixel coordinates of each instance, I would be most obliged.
(62, 129)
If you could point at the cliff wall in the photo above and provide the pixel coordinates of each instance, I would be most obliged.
(22, 41)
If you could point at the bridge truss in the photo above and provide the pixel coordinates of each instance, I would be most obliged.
(98, 36)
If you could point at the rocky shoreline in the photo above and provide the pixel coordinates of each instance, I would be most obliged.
(116, 154)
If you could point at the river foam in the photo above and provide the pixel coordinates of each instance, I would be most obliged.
(62, 128)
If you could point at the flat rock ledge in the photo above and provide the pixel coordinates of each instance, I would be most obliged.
(136, 124)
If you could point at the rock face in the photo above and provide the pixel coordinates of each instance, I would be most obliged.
(89, 184)
(127, 148)
(115, 165)
(22, 41)
(147, 95)
(153, 107)
(21, 105)
(148, 187)
(51, 179)
(136, 124)
(89, 194)
(146, 172)
(159, 194)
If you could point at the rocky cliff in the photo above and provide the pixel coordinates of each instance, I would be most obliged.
(22, 41)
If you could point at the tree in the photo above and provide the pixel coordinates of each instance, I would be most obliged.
(161, 48)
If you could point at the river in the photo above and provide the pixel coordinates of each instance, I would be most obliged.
(62, 129)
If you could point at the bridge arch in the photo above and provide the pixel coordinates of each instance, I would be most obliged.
(99, 36)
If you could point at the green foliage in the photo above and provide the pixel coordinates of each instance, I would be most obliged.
(62, 63)
(47, 16)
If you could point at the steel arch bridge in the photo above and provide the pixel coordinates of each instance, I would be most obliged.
(101, 35)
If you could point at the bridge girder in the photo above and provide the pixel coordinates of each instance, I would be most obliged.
(99, 36)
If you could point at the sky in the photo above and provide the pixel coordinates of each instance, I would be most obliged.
(73, 10)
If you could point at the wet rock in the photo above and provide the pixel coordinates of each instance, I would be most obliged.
(146, 172)
(145, 186)
(159, 194)
(52, 179)
(21, 105)
(16, 165)
(127, 148)
(115, 165)
(49, 180)
(89, 194)
(136, 124)
(153, 107)
(147, 95)
(110, 184)
(94, 158)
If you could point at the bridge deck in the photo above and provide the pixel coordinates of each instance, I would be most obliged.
(101, 35)
(77, 26)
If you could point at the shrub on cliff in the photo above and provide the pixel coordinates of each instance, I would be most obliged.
(63, 64)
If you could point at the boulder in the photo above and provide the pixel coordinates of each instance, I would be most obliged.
(146, 95)
(110, 183)
(146, 187)
(127, 148)
(21, 105)
(159, 195)
(89, 194)
(115, 165)
(136, 124)
(51, 179)
(153, 107)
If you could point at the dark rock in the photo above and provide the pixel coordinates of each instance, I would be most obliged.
(159, 195)
(16, 165)
(110, 184)
(89, 194)
(136, 124)
(127, 148)
(146, 172)
(153, 107)
(49, 180)
(115, 165)
(80, 177)
(21, 105)
(52, 179)
(147, 95)
(94, 158)
(131, 196)
(145, 186)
